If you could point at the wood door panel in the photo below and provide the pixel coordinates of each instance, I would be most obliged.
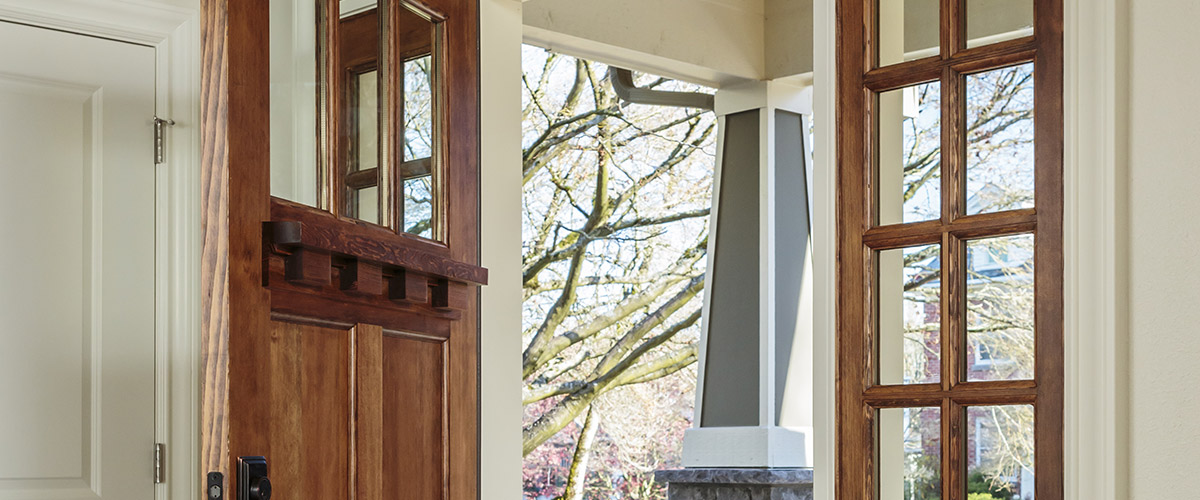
(413, 410)
(382, 435)
(309, 428)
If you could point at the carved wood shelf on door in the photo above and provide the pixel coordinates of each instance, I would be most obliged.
(316, 262)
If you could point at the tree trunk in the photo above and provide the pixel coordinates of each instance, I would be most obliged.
(577, 480)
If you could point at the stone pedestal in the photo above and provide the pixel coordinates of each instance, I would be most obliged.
(737, 484)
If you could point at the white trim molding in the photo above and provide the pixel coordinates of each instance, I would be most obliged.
(1095, 233)
(174, 33)
(824, 246)
(762, 446)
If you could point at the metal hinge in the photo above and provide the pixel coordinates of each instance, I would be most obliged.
(160, 140)
(160, 467)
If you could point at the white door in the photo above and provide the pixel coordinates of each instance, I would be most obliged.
(76, 266)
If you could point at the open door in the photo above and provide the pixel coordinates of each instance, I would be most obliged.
(340, 251)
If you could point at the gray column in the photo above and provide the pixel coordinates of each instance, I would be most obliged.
(754, 398)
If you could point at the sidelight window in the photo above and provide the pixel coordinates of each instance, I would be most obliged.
(950, 249)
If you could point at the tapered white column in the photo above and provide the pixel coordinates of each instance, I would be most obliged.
(754, 394)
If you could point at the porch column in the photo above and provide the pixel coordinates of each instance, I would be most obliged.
(754, 393)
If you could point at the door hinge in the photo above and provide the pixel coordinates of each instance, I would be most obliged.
(160, 467)
(160, 139)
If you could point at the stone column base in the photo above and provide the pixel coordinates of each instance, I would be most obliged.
(737, 484)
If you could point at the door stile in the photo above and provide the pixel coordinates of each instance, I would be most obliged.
(234, 202)
(461, 227)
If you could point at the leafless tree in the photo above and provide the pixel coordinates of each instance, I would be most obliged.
(615, 231)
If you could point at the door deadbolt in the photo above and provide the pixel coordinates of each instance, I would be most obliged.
(253, 483)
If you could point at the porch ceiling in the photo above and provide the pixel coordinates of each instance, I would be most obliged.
(715, 42)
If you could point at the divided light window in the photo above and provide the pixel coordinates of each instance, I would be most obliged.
(950, 355)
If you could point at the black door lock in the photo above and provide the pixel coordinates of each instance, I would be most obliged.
(216, 485)
(253, 483)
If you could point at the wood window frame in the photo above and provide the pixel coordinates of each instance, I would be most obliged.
(857, 395)
(352, 46)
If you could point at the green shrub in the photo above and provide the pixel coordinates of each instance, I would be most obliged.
(979, 487)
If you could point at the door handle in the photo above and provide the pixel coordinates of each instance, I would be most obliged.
(253, 483)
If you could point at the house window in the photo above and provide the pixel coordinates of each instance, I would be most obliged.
(949, 329)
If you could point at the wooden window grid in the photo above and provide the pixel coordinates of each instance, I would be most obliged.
(859, 237)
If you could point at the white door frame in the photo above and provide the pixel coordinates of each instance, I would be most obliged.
(174, 33)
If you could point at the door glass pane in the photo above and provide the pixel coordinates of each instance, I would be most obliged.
(991, 21)
(294, 87)
(909, 132)
(363, 105)
(1000, 452)
(419, 147)
(910, 453)
(1000, 134)
(907, 29)
(362, 180)
(367, 199)
(909, 315)
(1000, 308)
(418, 201)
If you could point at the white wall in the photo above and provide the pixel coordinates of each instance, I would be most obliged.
(500, 343)
(1164, 261)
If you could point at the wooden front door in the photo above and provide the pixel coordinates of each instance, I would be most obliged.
(340, 321)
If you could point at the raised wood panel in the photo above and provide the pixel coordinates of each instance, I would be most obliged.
(310, 404)
(414, 409)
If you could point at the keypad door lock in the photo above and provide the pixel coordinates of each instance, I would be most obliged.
(252, 480)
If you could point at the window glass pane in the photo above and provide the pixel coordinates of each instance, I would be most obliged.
(1000, 308)
(909, 315)
(909, 153)
(910, 453)
(1000, 134)
(294, 85)
(908, 29)
(1000, 452)
(991, 21)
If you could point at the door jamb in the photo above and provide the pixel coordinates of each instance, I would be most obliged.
(173, 32)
